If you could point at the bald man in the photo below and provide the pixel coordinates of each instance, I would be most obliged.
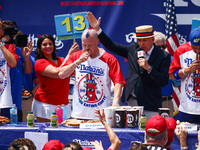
(95, 69)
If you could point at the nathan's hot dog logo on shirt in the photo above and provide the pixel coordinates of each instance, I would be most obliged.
(192, 86)
(3, 77)
(89, 87)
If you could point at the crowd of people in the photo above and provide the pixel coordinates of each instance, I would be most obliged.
(148, 83)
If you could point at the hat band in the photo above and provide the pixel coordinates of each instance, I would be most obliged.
(144, 34)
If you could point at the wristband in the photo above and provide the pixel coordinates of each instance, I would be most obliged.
(115, 101)
(75, 64)
(176, 76)
(184, 147)
(184, 72)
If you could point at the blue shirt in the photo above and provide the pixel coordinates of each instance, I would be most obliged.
(28, 79)
(16, 75)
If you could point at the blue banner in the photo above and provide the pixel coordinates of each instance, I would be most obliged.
(119, 18)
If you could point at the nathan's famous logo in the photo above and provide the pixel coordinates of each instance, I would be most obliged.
(3, 76)
(90, 87)
(192, 87)
(85, 143)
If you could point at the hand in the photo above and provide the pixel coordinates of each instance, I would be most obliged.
(193, 67)
(115, 104)
(181, 134)
(26, 51)
(176, 83)
(97, 145)
(94, 23)
(99, 113)
(83, 58)
(143, 63)
(74, 48)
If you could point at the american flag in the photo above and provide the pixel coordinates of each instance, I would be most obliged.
(171, 32)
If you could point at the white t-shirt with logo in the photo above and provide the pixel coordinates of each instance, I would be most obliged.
(190, 85)
(5, 85)
(92, 85)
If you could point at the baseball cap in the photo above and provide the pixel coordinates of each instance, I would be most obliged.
(155, 125)
(195, 37)
(53, 145)
(171, 126)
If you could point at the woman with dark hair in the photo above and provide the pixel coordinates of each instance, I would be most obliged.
(52, 91)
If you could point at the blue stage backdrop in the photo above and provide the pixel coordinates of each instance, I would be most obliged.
(119, 18)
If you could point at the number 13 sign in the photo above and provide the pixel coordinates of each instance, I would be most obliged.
(71, 26)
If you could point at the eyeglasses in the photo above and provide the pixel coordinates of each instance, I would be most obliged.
(163, 46)
(16, 146)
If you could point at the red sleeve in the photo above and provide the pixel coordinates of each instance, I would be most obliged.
(114, 69)
(12, 50)
(40, 65)
(115, 73)
(176, 64)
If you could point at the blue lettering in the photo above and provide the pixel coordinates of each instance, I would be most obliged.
(91, 69)
(188, 61)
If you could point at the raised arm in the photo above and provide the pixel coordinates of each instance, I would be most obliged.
(66, 71)
(26, 51)
(115, 142)
(116, 48)
(94, 23)
(74, 48)
(181, 134)
(10, 58)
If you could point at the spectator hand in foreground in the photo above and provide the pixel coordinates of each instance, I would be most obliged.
(97, 145)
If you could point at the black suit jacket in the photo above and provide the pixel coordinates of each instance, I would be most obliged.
(149, 85)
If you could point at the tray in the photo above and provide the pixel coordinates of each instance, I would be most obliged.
(67, 126)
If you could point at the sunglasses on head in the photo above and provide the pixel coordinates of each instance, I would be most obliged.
(163, 46)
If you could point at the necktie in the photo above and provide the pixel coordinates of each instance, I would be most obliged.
(147, 56)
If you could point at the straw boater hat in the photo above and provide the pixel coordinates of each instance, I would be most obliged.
(145, 31)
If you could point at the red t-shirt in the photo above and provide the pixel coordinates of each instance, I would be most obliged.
(52, 90)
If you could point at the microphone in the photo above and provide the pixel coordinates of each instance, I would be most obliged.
(141, 54)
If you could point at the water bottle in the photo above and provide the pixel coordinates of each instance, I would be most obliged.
(64, 112)
(59, 113)
(13, 115)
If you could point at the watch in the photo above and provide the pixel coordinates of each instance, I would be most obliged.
(149, 70)
(2, 43)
